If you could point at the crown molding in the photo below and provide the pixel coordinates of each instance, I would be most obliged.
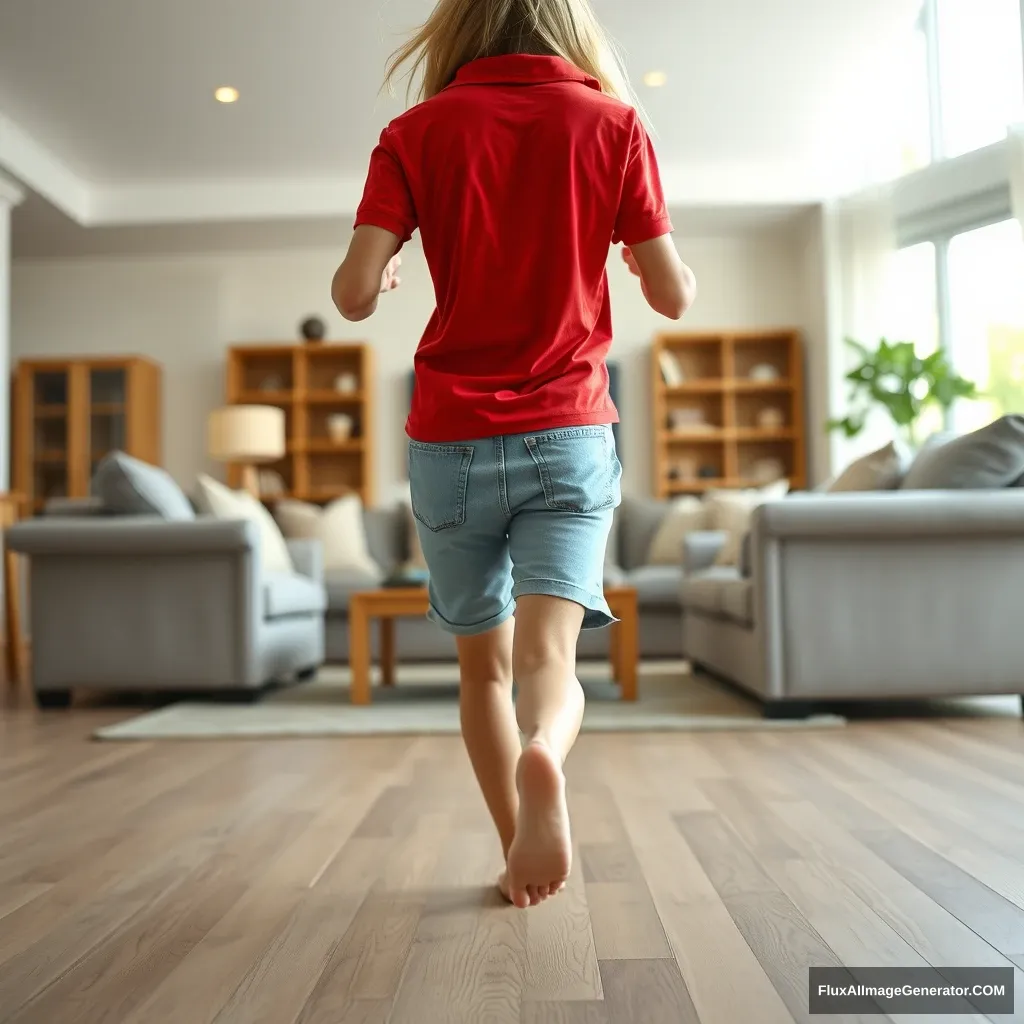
(10, 193)
(42, 172)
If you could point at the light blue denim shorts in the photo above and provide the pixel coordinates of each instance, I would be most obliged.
(514, 515)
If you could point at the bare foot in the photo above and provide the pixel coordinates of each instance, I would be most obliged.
(541, 854)
(503, 886)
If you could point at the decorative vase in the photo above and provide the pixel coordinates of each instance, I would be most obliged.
(771, 418)
(764, 372)
(313, 329)
(346, 383)
(339, 427)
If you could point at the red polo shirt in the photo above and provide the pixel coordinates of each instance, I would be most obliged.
(520, 175)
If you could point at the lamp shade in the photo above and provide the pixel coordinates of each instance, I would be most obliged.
(246, 434)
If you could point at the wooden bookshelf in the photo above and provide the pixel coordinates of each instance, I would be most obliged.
(718, 423)
(303, 381)
(70, 413)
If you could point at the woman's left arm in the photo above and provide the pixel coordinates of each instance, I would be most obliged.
(369, 270)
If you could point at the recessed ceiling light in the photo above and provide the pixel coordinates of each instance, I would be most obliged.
(655, 79)
(226, 94)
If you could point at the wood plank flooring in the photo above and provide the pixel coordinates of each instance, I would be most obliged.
(351, 881)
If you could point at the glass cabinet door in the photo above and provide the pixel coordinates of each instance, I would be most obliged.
(108, 407)
(50, 437)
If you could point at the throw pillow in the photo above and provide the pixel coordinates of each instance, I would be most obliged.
(731, 511)
(986, 459)
(338, 526)
(223, 503)
(684, 516)
(130, 487)
(880, 471)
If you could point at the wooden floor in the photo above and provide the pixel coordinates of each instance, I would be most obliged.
(344, 881)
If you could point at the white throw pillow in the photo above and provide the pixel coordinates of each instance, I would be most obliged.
(731, 512)
(338, 526)
(223, 503)
(879, 471)
(684, 516)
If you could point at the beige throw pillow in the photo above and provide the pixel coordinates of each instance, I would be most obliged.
(684, 516)
(338, 526)
(878, 471)
(731, 512)
(223, 503)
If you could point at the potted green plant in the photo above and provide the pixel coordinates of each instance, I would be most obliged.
(903, 383)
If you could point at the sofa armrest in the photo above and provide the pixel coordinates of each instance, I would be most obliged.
(131, 536)
(701, 548)
(890, 515)
(307, 557)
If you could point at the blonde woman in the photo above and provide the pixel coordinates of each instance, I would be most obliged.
(523, 162)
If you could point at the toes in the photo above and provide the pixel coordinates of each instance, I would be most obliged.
(520, 898)
(543, 892)
(534, 895)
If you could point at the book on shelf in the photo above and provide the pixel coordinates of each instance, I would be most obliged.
(671, 371)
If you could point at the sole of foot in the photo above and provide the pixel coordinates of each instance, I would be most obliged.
(541, 855)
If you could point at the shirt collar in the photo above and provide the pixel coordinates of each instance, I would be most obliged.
(522, 69)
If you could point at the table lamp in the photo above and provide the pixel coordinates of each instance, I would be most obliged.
(247, 435)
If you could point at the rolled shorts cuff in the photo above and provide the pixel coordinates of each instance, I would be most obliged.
(476, 628)
(596, 613)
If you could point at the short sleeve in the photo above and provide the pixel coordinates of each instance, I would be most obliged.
(642, 212)
(387, 201)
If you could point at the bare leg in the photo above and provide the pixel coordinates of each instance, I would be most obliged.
(550, 712)
(489, 725)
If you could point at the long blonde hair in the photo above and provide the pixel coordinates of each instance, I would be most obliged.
(460, 31)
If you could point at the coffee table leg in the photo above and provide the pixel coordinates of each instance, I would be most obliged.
(359, 651)
(387, 651)
(629, 649)
(615, 651)
(12, 605)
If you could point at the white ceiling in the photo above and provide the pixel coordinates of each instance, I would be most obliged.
(106, 106)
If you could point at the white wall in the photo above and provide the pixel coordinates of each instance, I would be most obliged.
(185, 311)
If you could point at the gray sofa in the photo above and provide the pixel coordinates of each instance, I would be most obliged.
(141, 603)
(636, 522)
(909, 594)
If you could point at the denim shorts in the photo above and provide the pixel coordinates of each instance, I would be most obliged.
(514, 515)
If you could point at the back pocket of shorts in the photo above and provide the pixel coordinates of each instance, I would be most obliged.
(438, 479)
(578, 468)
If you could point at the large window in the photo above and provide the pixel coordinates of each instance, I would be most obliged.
(980, 71)
(965, 294)
(986, 319)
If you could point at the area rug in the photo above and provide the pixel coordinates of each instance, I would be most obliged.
(425, 702)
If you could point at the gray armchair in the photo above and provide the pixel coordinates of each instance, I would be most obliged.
(141, 603)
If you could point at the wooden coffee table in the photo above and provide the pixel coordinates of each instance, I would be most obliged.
(389, 604)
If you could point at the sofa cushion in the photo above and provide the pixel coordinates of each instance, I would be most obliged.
(684, 516)
(732, 511)
(339, 526)
(343, 583)
(737, 597)
(286, 593)
(130, 487)
(986, 459)
(657, 586)
(223, 503)
(639, 519)
(614, 576)
(882, 470)
(702, 592)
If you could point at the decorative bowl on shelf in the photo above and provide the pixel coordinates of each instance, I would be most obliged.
(764, 372)
(771, 418)
(346, 383)
(339, 427)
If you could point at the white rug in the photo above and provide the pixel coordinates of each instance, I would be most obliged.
(426, 702)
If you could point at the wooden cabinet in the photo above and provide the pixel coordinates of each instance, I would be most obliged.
(728, 411)
(69, 413)
(326, 392)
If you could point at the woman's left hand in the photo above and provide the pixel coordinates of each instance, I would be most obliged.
(390, 280)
